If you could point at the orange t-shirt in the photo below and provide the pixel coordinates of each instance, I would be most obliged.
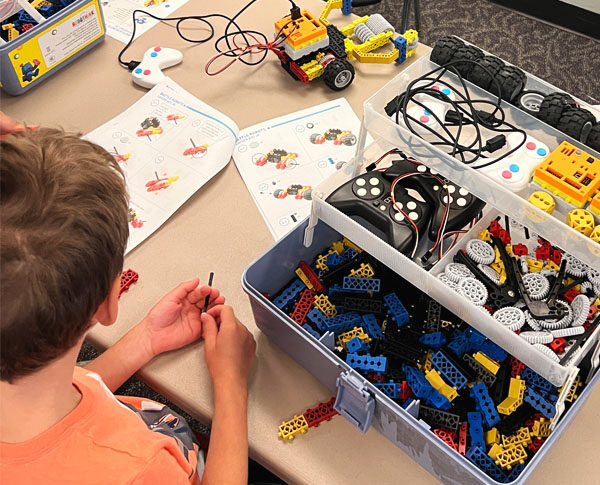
(107, 441)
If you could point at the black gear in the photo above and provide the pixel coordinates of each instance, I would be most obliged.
(512, 81)
(593, 140)
(466, 53)
(479, 74)
(553, 106)
(338, 74)
(444, 49)
(577, 123)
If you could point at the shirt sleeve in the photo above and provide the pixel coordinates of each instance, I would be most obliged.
(164, 469)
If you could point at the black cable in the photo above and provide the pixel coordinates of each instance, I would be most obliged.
(464, 113)
(132, 64)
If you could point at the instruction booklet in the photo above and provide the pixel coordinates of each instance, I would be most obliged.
(169, 144)
(283, 159)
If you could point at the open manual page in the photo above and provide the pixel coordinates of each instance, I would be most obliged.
(283, 159)
(169, 144)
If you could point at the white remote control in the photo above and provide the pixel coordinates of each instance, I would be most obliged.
(148, 73)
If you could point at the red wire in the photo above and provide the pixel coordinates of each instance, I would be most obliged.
(249, 49)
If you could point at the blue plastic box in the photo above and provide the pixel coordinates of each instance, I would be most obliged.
(357, 399)
(40, 52)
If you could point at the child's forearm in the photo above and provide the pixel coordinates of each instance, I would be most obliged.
(120, 361)
(227, 459)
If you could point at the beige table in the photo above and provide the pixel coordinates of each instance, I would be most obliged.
(220, 229)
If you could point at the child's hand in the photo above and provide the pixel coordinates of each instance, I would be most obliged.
(228, 346)
(175, 320)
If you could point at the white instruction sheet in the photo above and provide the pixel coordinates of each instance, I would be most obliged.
(169, 144)
(282, 159)
(118, 15)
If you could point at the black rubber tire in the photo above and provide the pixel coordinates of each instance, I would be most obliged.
(307, 195)
(277, 193)
(577, 123)
(444, 49)
(530, 101)
(338, 74)
(469, 54)
(593, 140)
(554, 106)
(479, 74)
(512, 82)
(313, 137)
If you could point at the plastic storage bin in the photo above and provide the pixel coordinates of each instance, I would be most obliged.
(359, 401)
(552, 228)
(477, 317)
(50, 45)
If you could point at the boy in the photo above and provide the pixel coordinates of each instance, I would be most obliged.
(64, 229)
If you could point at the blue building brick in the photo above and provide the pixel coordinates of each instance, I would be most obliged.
(357, 345)
(539, 402)
(448, 370)
(286, 298)
(476, 429)
(484, 404)
(396, 309)
(434, 340)
(481, 460)
(371, 327)
(310, 330)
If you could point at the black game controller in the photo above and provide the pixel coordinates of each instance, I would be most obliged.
(368, 196)
(464, 206)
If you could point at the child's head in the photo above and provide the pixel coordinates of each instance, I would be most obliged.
(64, 212)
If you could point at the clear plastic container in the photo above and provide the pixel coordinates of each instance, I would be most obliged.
(551, 227)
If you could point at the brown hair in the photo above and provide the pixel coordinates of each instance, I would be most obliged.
(64, 211)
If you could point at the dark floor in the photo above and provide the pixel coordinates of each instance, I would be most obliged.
(565, 59)
(568, 60)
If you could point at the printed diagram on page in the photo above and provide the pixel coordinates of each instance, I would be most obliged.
(283, 159)
(168, 145)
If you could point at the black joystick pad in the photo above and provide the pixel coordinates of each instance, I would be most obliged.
(464, 206)
(368, 196)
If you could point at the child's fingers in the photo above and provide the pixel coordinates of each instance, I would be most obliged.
(209, 329)
(218, 301)
(198, 296)
(183, 289)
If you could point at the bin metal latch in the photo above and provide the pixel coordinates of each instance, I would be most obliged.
(354, 401)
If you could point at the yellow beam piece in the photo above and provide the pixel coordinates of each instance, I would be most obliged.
(304, 278)
(492, 436)
(289, 429)
(488, 363)
(329, 6)
(439, 385)
(348, 30)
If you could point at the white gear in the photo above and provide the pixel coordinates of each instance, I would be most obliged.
(457, 271)
(490, 272)
(547, 351)
(537, 337)
(473, 290)
(480, 251)
(537, 286)
(447, 281)
(567, 332)
(532, 322)
(581, 310)
(510, 317)
(575, 267)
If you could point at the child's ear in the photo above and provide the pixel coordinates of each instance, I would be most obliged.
(109, 309)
